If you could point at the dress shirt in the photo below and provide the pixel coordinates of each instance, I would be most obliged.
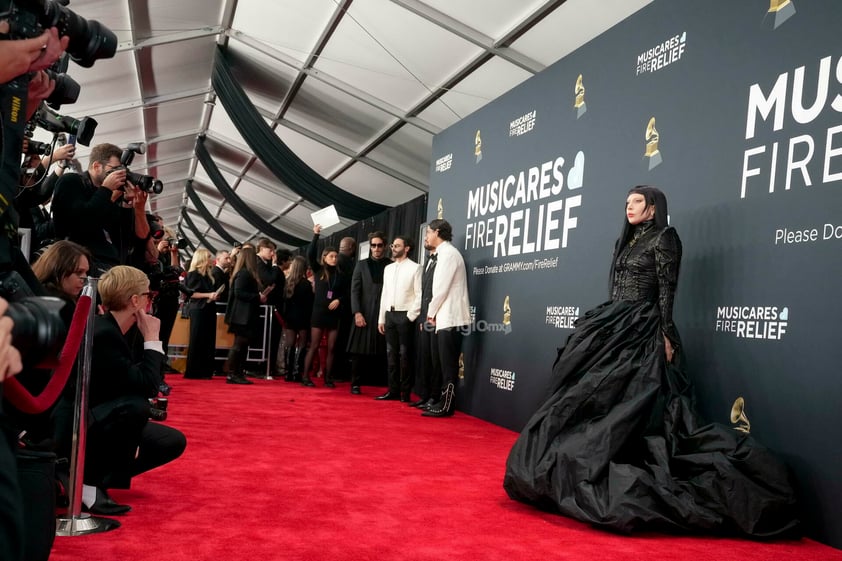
(401, 289)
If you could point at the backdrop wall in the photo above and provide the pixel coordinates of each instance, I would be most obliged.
(734, 111)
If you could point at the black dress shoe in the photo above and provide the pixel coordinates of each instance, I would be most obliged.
(237, 380)
(437, 413)
(105, 505)
(330, 385)
(420, 403)
(405, 398)
(355, 390)
(389, 396)
(308, 383)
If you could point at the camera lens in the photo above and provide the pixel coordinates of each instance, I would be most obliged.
(89, 40)
(39, 329)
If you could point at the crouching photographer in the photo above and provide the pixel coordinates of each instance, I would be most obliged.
(125, 373)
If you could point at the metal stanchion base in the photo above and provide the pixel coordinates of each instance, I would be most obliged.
(84, 524)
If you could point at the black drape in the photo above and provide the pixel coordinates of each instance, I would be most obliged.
(239, 205)
(206, 215)
(276, 155)
(199, 236)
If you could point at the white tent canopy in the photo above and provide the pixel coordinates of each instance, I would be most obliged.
(356, 88)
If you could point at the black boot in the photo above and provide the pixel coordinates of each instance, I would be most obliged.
(445, 407)
(301, 359)
(289, 357)
(234, 367)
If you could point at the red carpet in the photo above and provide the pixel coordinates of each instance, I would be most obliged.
(276, 471)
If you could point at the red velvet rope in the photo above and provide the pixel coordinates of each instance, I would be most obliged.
(20, 397)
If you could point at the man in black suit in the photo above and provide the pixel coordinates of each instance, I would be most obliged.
(222, 271)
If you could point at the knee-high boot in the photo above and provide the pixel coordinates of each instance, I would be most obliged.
(289, 359)
(234, 366)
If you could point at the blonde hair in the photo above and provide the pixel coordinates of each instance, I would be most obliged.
(202, 262)
(119, 284)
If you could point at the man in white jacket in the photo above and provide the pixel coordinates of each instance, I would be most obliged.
(447, 312)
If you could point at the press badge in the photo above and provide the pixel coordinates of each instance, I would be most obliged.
(330, 295)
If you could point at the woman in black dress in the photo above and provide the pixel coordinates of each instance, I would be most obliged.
(298, 307)
(202, 308)
(618, 444)
(243, 313)
(331, 287)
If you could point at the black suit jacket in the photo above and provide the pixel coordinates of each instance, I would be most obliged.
(244, 300)
(220, 278)
(269, 275)
(120, 367)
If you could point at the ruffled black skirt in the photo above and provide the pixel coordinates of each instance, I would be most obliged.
(618, 443)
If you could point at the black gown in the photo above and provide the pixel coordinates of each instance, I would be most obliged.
(619, 445)
(202, 347)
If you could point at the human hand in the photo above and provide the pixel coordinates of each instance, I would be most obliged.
(149, 326)
(670, 352)
(40, 88)
(333, 305)
(359, 320)
(66, 152)
(29, 55)
(381, 327)
(10, 361)
(51, 47)
(317, 229)
(262, 298)
(115, 179)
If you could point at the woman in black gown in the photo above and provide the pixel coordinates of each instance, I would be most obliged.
(202, 307)
(618, 444)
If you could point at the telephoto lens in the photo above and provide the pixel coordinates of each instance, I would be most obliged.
(39, 330)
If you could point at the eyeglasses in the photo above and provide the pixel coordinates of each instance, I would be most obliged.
(378, 245)
(148, 294)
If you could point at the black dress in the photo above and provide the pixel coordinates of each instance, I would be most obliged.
(202, 348)
(618, 444)
(330, 283)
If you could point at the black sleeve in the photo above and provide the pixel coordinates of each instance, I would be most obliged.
(114, 373)
(667, 263)
(245, 287)
(313, 255)
(357, 289)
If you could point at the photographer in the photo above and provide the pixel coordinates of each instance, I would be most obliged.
(98, 209)
(165, 281)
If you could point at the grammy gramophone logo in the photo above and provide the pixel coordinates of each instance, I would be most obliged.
(653, 153)
(478, 147)
(779, 12)
(462, 366)
(738, 416)
(579, 101)
(440, 210)
(507, 311)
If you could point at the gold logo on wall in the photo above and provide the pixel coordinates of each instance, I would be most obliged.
(478, 147)
(507, 312)
(652, 137)
(780, 11)
(440, 210)
(738, 416)
(462, 366)
(579, 93)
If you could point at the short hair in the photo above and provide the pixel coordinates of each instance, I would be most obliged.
(407, 241)
(119, 284)
(265, 242)
(102, 153)
(377, 234)
(222, 251)
(445, 230)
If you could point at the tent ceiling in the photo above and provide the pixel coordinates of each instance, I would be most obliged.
(356, 88)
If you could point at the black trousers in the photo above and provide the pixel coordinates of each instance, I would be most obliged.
(113, 440)
(166, 310)
(429, 379)
(400, 333)
(446, 351)
(275, 344)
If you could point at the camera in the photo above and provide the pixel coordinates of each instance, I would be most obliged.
(39, 330)
(49, 120)
(158, 409)
(143, 182)
(180, 243)
(66, 89)
(34, 147)
(89, 40)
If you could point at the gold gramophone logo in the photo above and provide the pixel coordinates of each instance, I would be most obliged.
(579, 93)
(780, 11)
(440, 210)
(738, 416)
(653, 153)
(478, 147)
(462, 366)
(507, 311)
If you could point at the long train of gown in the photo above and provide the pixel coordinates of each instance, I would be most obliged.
(618, 443)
